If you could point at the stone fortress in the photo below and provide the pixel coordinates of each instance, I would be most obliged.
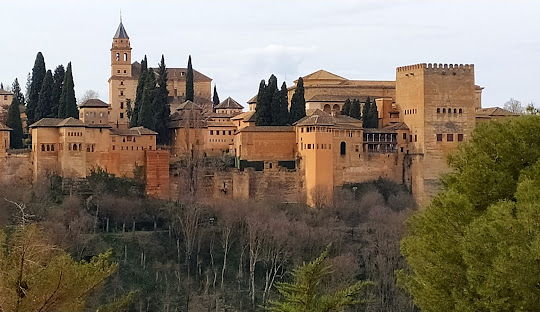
(423, 116)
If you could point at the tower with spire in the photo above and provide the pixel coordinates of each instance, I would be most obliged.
(121, 84)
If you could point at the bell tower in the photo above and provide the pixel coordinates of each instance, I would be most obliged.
(121, 83)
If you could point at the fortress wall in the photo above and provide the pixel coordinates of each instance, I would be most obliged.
(373, 166)
(157, 173)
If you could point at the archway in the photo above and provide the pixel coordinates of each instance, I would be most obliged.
(327, 108)
(343, 149)
(336, 108)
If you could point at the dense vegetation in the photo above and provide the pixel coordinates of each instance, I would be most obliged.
(476, 246)
(221, 255)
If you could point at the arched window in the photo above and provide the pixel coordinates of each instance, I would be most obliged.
(336, 108)
(133, 139)
(460, 110)
(80, 147)
(48, 148)
(444, 110)
(52, 148)
(269, 165)
(118, 56)
(42, 147)
(449, 111)
(455, 110)
(125, 57)
(327, 108)
(124, 139)
(438, 110)
(342, 148)
(74, 147)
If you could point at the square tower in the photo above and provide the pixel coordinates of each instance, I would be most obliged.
(438, 104)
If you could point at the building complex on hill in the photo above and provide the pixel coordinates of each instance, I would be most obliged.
(422, 117)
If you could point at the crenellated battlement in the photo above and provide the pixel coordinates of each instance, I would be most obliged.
(436, 67)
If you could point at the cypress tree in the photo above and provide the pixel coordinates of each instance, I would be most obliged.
(146, 112)
(68, 102)
(44, 106)
(190, 92)
(161, 107)
(346, 109)
(298, 103)
(373, 116)
(134, 120)
(38, 74)
(215, 98)
(16, 89)
(272, 99)
(14, 120)
(355, 109)
(262, 110)
(365, 113)
(281, 113)
(58, 77)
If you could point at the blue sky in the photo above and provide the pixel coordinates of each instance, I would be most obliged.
(238, 43)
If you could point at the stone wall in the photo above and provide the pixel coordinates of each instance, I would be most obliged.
(16, 168)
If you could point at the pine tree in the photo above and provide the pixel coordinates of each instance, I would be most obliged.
(68, 101)
(14, 119)
(146, 111)
(58, 77)
(44, 106)
(281, 111)
(134, 120)
(365, 113)
(215, 98)
(355, 109)
(161, 107)
(190, 92)
(262, 110)
(16, 89)
(298, 103)
(373, 116)
(346, 109)
(38, 74)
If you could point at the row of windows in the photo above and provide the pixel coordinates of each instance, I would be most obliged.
(125, 57)
(315, 146)
(133, 148)
(118, 71)
(71, 147)
(449, 137)
(444, 110)
(125, 139)
(216, 132)
(219, 140)
(411, 111)
(77, 134)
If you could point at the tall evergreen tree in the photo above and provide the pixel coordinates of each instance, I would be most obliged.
(68, 101)
(14, 121)
(215, 98)
(355, 109)
(280, 110)
(134, 120)
(58, 77)
(146, 111)
(161, 106)
(373, 116)
(44, 106)
(270, 94)
(298, 103)
(38, 74)
(346, 109)
(365, 113)
(190, 91)
(17, 93)
(262, 110)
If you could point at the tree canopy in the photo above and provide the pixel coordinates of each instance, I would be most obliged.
(134, 115)
(304, 293)
(68, 102)
(161, 105)
(190, 91)
(38, 74)
(476, 246)
(298, 103)
(13, 119)
(37, 276)
(346, 109)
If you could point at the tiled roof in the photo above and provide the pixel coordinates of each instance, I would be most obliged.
(323, 74)
(172, 73)
(494, 111)
(338, 98)
(397, 126)
(229, 103)
(4, 127)
(253, 100)
(375, 130)
(46, 122)
(267, 129)
(246, 116)
(5, 92)
(188, 105)
(135, 131)
(219, 115)
(94, 103)
(71, 122)
(211, 123)
(121, 32)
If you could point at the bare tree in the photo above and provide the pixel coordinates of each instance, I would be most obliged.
(514, 106)
(88, 95)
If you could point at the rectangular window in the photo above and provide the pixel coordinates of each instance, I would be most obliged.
(230, 132)
(460, 137)
(309, 146)
(121, 115)
(439, 137)
(121, 92)
(223, 132)
(405, 136)
(450, 137)
(121, 105)
(402, 149)
(211, 132)
(357, 148)
(410, 138)
(415, 138)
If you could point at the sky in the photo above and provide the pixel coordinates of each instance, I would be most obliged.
(238, 43)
